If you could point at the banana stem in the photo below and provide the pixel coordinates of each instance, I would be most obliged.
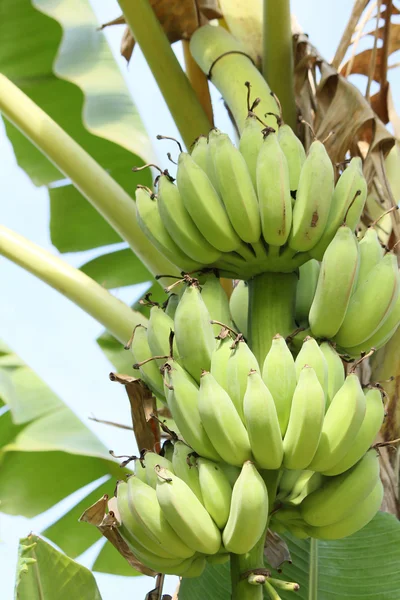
(278, 56)
(241, 563)
(116, 316)
(94, 183)
(271, 310)
(198, 80)
(179, 95)
(313, 571)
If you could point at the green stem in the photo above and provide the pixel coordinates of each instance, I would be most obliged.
(116, 316)
(95, 184)
(240, 563)
(313, 571)
(230, 72)
(179, 95)
(271, 310)
(278, 56)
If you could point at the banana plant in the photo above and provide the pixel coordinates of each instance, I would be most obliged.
(75, 129)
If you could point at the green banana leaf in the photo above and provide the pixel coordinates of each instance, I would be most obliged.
(46, 454)
(364, 565)
(44, 573)
(53, 51)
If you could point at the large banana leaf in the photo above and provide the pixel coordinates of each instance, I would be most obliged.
(364, 565)
(46, 454)
(53, 51)
(43, 573)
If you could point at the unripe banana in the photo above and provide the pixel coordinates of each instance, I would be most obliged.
(204, 205)
(182, 400)
(235, 187)
(382, 335)
(335, 284)
(250, 143)
(149, 372)
(159, 328)
(372, 422)
(222, 422)
(193, 331)
(249, 511)
(172, 305)
(287, 481)
(305, 291)
(313, 199)
(186, 514)
(371, 304)
(196, 568)
(273, 190)
(216, 490)
(216, 301)
(167, 450)
(295, 155)
(305, 423)
(218, 559)
(262, 423)
(150, 460)
(310, 354)
(336, 373)
(350, 183)
(240, 363)
(231, 472)
(279, 375)
(239, 306)
(306, 484)
(184, 466)
(371, 253)
(199, 153)
(140, 471)
(143, 518)
(340, 496)
(150, 223)
(219, 361)
(364, 512)
(376, 211)
(180, 224)
(341, 425)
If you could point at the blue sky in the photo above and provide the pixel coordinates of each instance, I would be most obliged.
(34, 318)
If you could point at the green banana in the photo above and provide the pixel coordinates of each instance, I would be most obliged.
(140, 470)
(262, 423)
(340, 496)
(235, 187)
(219, 361)
(313, 199)
(239, 306)
(184, 466)
(273, 190)
(186, 514)
(216, 301)
(372, 422)
(310, 354)
(371, 304)
(167, 450)
(193, 331)
(196, 568)
(222, 422)
(180, 224)
(250, 143)
(351, 189)
(335, 284)
(149, 372)
(240, 363)
(216, 490)
(182, 397)
(341, 425)
(249, 511)
(159, 328)
(199, 153)
(150, 460)
(382, 335)
(231, 472)
(287, 481)
(279, 375)
(171, 305)
(204, 205)
(305, 291)
(150, 223)
(143, 518)
(305, 423)
(371, 253)
(335, 370)
(306, 483)
(364, 512)
(295, 155)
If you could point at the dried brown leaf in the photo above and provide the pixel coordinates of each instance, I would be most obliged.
(127, 44)
(276, 550)
(118, 21)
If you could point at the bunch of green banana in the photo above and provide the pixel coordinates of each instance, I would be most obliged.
(264, 206)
